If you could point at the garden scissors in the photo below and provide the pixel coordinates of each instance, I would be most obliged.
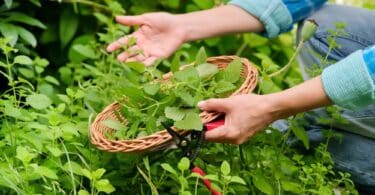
(191, 146)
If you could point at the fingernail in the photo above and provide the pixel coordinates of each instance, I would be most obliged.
(200, 104)
(120, 58)
(109, 49)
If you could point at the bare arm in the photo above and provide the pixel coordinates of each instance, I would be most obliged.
(246, 115)
(160, 34)
(301, 98)
(218, 21)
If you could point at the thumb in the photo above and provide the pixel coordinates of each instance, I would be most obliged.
(130, 20)
(218, 105)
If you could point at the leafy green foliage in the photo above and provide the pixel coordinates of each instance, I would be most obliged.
(56, 77)
(174, 100)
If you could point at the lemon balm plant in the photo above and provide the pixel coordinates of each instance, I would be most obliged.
(54, 91)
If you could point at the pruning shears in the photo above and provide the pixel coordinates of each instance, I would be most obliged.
(191, 147)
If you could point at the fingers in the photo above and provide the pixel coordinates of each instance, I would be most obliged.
(130, 20)
(133, 52)
(216, 135)
(218, 105)
(149, 61)
(118, 44)
(140, 57)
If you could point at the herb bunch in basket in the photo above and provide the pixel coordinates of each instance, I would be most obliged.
(172, 98)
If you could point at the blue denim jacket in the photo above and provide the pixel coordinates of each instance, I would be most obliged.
(359, 68)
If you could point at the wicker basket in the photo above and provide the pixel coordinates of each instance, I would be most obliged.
(162, 138)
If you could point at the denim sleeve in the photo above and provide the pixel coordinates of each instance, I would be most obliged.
(349, 83)
(369, 57)
(272, 13)
(301, 9)
(279, 15)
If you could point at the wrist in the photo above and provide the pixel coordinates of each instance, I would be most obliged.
(278, 108)
(303, 97)
(184, 27)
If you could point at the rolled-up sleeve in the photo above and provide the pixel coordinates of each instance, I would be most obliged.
(301, 9)
(349, 83)
(278, 16)
(272, 13)
(369, 57)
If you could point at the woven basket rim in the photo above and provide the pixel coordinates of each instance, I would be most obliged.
(155, 140)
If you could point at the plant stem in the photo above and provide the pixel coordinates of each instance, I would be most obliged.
(90, 3)
(287, 66)
(240, 50)
(70, 167)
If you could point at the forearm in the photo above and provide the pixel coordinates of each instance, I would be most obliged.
(217, 21)
(301, 98)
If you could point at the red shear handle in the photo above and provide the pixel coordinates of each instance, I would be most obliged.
(214, 124)
(206, 182)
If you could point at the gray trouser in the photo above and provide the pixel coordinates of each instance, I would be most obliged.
(355, 153)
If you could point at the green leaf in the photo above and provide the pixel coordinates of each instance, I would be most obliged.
(137, 66)
(187, 74)
(266, 85)
(300, 133)
(232, 72)
(104, 185)
(168, 168)
(36, 2)
(27, 36)
(192, 121)
(9, 31)
(151, 125)
(52, 80)
(22, 59)
(236, 179)
(174, 113)
(23, 18)
(225, 168)
(56, 152)
(8, 3)
(41, 62)
(38, 101)
(75, 56)
(86, 173)
(85, 50)
(291, 187)
(101, 17)
(11, 111)
(83, 192)
(255, 40)
(224, 86)
(29, 74)
(201, 56)
(47, 172)
(206, 4)
(262, 184)
(151, 89)
(186, 97)
(207, 70)
(114, 124)
(97, 174)
(184, 164)
(68, 26)
(175, 64)
(74, 167)
(23, 154)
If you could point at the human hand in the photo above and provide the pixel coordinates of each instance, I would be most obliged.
(159, 36)
(245, 115)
